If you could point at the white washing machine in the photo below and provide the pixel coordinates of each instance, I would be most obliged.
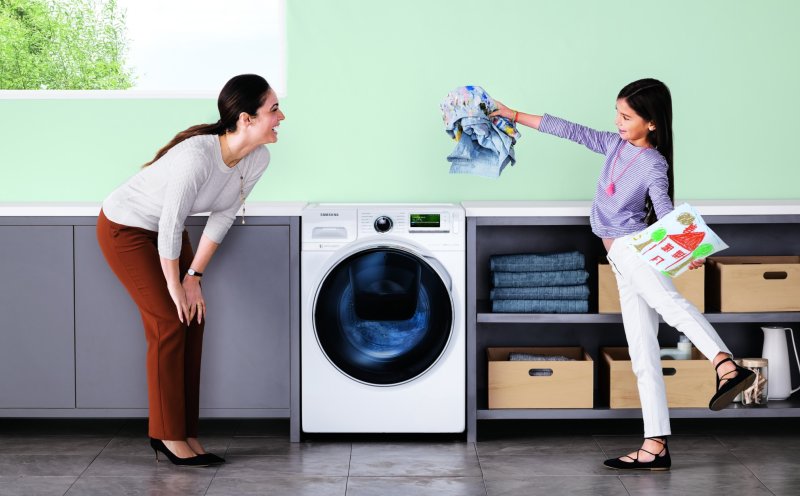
(383, 309)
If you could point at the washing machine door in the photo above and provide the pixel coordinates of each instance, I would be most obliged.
(383, 315)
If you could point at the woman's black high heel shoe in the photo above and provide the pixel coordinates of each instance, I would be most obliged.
(662, 461)
(733, 386)
(194, 461)
(212, 458)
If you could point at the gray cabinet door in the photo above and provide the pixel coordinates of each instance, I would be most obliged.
(246, 348)
(109, 338)
(36, 317)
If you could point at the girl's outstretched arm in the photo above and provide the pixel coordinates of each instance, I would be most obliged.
(530, 120)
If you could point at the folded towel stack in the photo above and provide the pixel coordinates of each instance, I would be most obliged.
(539, 283)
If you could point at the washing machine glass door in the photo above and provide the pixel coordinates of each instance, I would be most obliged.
(383, 316)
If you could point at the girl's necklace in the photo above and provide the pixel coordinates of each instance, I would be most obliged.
(610, 189)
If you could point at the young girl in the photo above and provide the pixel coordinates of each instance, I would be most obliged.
(635, 186)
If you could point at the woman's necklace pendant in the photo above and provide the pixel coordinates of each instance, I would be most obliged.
(610, 188)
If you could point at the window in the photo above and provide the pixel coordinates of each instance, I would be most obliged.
(138, 48)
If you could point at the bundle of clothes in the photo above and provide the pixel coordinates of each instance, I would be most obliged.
(539, 283)
(485, 145)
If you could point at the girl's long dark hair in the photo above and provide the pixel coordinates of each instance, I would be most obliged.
(650, 98)
(243, 93)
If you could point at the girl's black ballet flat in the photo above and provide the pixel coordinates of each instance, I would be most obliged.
(660, 462)
(725, 394)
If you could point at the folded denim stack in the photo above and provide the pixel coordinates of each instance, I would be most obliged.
(539, 283)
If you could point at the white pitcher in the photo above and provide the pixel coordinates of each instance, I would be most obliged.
(776, 351)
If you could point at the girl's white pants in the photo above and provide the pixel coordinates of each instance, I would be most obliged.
(644, 293)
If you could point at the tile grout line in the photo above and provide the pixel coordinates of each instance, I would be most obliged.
(93, 459)
(227, 445)
(619, 478)
(480, 466)
(731, 453)
(349, 464)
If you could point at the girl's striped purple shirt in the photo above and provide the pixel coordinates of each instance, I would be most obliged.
(622, 212)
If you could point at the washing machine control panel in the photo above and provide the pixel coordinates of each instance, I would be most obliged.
(410, 221)
(329, 226)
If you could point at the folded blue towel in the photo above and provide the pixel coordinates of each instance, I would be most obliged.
(539, 279)
(580, 292)
(540, 306)
(537, 262)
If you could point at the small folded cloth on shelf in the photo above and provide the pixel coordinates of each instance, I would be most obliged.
(537, 262)
(539, 279)
(540, 306)
(533, 357)
(578, 292)
(516, 356)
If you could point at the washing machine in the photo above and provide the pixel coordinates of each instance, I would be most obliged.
(382, 326)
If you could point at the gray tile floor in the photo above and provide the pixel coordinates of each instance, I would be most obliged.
(111, 457)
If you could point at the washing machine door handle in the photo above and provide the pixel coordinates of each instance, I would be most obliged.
(448, 282)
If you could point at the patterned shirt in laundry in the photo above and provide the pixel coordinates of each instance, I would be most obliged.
(622, 212)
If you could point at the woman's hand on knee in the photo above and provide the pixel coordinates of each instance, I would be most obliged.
(178, 295)
(194, 298)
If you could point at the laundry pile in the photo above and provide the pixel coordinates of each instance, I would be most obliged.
(485, 144)
(539, 283)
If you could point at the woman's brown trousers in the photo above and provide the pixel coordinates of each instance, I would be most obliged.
(173, 348)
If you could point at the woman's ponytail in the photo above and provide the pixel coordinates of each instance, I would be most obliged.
(243, 93)
(186, 134)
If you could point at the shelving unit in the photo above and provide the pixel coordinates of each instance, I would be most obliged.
(750, 228)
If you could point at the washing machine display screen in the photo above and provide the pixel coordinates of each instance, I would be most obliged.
(425, 220)
(383, 316)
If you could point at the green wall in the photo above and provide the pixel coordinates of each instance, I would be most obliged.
(365, 78)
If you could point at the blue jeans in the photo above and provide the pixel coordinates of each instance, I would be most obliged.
(485, 145)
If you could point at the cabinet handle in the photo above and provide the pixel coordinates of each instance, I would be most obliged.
(776, 275)
(669, 371)
(540, 372)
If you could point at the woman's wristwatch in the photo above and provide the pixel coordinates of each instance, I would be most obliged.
(192, 272)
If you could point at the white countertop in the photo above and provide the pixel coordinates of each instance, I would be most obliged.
(554, 208)
(581, 208)
(76, 209)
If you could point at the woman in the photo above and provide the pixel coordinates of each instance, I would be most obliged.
(206, 168)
